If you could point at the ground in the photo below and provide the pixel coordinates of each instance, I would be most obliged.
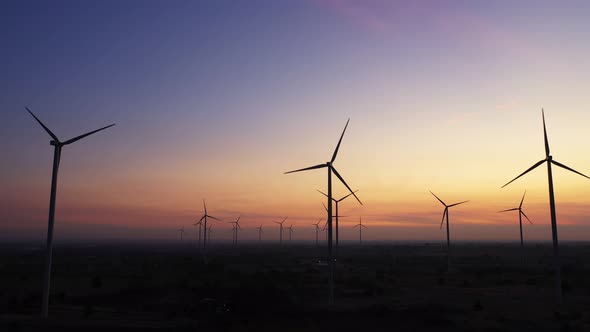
(380, 287)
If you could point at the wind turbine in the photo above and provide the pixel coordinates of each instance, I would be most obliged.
(204, 218)
(280, 229)
(336, 201)
(57, 145)
(317, 229)
(236, 226)
(446, 213)
(549, 160)
(360, 226)
(290, 228)
(520, 214)
(330, 166)
(181, 230)
(259, 233)
(324, 229)
(200, 224)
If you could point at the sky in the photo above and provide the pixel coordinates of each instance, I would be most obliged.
(216, 100)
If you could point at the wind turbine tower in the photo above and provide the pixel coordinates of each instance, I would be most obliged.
(317, 230)
(331, 169)
(360, 226)
(446, 214)
(550, 161)
(336, 201)
(280, 229)
(259, 233)
(520, 215)
(57, 148)
(204, 219)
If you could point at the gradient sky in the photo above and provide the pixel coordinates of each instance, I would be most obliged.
(216, 99)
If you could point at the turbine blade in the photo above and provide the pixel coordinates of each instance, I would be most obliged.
(364, 226)
(321, 192)
(284, 220)
(528, 170)
(545, 134)
(325, 207)
(509, 210)
(203, 217)
(77, 138)
(527, 218)
(214, 218)
(344, 182)
(443, 217)
(42, 125)
(343, 198)
(569, 169)
(522, 200)
(307, 168)
(339, 141)
(440, 200)
(457, 203)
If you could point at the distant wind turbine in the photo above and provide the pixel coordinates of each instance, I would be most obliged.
(336, 201)
(200, 224)
(330, 166)
(204, 219)
(58, 145)
(290, 228)
(325, 229)
(280, 229)
(549, 160)
(236, 227)
(259, 233)
(446, 213)
(181, 230)
(360, 226)
(317, 229)
(520, 215)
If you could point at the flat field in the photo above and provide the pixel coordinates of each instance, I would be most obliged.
(378, 287)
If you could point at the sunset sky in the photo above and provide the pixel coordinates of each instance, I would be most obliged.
(216, 100)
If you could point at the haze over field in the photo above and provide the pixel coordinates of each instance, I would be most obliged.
(216, 100)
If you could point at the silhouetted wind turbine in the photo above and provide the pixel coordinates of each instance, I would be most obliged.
(58, 145)
(259, 233)
(336, 201)
(520, 214)
(280, 229)
(446, 213)
(204, 218)
(324, 229)
(317, 229)
(236, 226)
(549, 160)
(181, 230)
(200, 224)
(360, 226)
(330, 166)
(290, 228)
